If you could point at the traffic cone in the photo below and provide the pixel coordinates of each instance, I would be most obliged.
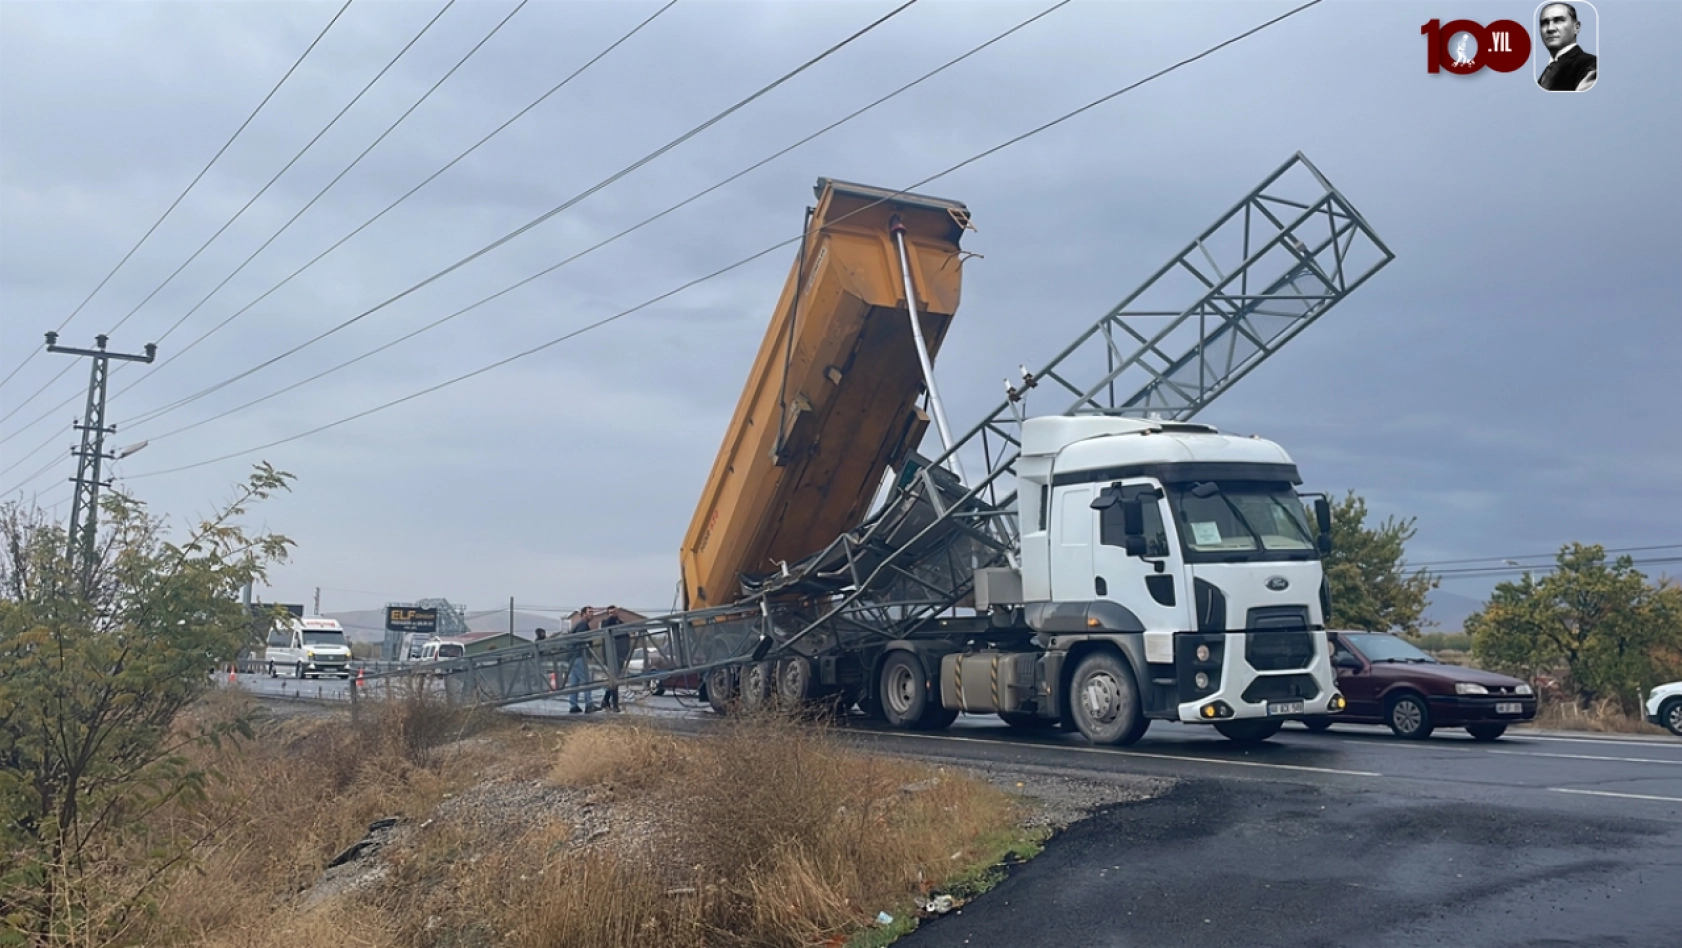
(360, 673)
(552, 683)
(233, 673)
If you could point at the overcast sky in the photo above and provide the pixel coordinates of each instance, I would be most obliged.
(1511, 380)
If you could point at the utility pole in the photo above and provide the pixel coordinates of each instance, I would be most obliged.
(84, 510)
(510, 620)
(317, 601)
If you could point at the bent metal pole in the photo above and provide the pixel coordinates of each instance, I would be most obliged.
(897, 228)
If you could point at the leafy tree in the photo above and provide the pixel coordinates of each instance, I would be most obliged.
(1603, 624)
(93, 681)
(1370, 587)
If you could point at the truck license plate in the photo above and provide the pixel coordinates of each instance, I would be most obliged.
(1284, 707)
(1509, 707)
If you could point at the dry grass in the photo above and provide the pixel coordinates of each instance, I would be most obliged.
(769, 833)
(1603, 716)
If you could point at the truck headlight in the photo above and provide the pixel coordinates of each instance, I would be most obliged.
(1202, 655)
(1469, 688)
(1524, 689)
(1201, 680)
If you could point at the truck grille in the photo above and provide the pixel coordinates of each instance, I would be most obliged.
(1282, 688)
(1277, 651)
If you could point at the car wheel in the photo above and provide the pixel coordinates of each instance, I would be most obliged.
(1317, 724)
(1409, 717)
(904, 690)
(657, 689)
(1671, 715)
(1104, 700)
(1249, 730)
(1486, 732)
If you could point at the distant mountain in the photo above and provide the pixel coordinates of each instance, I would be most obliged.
(1449, 610)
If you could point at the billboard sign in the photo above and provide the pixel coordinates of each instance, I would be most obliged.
(411, 619)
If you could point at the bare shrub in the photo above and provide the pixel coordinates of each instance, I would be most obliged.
(1606, 716)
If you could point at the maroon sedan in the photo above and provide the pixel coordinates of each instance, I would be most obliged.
(1387, 681)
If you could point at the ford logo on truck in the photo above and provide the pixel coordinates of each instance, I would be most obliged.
(1278, 583)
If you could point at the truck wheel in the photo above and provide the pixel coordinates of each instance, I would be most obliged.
(1104, 700)
(721, 689)
(300, 671)
(1671, 715)
(936, 717)
(794, 682)
(904, 690)
(272, 672)
(1249, 730)
(1486, 732)
(1410, 718)
(756, 682)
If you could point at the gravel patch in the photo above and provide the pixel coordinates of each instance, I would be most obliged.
(1057, 797)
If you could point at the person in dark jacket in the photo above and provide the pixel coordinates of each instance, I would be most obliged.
(621, 654)
(578, 672)
(1571, 69)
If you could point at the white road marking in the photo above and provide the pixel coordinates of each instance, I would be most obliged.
(1625, 796)
(1622, 741)
(1628, 760)
(1132, 753)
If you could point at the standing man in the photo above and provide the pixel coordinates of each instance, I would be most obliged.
(621, 654)
(1572, 69)
(578, 673)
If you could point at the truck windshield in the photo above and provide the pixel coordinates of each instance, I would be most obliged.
(1242, 520)
(323, 637)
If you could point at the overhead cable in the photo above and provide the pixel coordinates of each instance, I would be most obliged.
(522, 229)
(173, 204)
(752, 257)
(603, 243)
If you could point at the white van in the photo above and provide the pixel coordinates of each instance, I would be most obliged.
(306, 646)
(442, 650)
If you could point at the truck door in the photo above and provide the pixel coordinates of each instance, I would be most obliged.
(1072, 532)
(1152, 586)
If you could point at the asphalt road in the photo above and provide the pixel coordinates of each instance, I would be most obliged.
(1347, 838)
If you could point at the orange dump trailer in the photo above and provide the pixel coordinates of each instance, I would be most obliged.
(831, 401)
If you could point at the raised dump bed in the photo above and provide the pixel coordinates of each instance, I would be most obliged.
(831, 401)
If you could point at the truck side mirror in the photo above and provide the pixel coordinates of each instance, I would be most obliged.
(1323, 517)
(1133, 526)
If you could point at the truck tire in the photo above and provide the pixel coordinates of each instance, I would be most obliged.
(721, 689)
(794, 682)
(904, 691)
(755, 684)
(1104, 700)
(299, 671)
(272, 672)
(1249, 730)
(1409, 716)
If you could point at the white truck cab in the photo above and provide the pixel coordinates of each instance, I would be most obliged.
(310, 645)
(1187, 550)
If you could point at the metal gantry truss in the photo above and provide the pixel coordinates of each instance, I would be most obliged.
(1265, 270)
(1270, 266)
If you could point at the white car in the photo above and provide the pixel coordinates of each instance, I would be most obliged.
(1664, 707)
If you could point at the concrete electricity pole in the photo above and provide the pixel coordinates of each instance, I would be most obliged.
(84, 510)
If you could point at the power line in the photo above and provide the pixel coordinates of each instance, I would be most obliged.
(534, 222)
(749, 259)
(451, 163)
(1534, 556)
(600, 244)
(1472, 572)
(247, 205)
(167, 211)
